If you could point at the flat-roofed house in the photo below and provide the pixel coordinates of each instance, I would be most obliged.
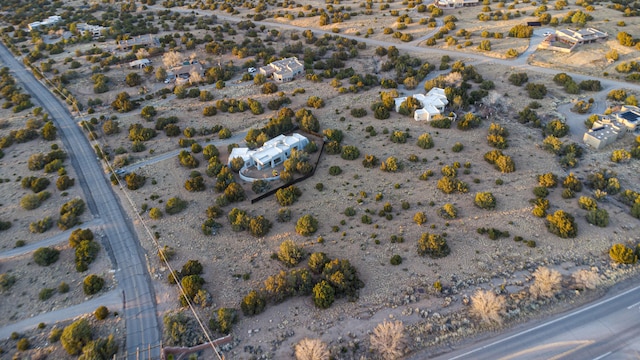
(272, 153)
(605, 131)
(144, 41)
(432, 103)
(283, 70)
(46, 22)
(580, 37)
(629, 116)
(454, 4)
(94, 30)
(139, 64)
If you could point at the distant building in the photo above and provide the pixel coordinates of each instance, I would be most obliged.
(182, 73)
(283, 70)
(139, 64)
(454, 4)
(46, 22)
(94, 30)
(145, 41)
(580, 37)
(272, 153)
(432, 103)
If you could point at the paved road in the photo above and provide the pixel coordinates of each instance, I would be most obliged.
(607, 329)
(236, 138)
(112, 300)
(121, 241)
(53, 240)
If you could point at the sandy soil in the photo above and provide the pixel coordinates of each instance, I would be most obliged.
(474, 257)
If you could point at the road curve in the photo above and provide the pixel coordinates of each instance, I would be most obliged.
(120, 239)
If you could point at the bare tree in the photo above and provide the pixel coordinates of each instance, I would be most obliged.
(311, 349)
(195, 77)
(142, 53)
(389, 340)
(586, 279)
(546, 283)
(171, 59)
(488, 306)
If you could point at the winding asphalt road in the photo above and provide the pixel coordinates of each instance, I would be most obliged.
(120, 241)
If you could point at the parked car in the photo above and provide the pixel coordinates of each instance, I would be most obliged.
(251, 70)
(546, 33)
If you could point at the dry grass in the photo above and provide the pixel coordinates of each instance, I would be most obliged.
(546, 283)
(488, 306)
(388, 340)
(311, 349)
(586, 279)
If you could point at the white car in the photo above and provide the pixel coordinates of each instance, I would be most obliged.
(251, 70)
(546, 33)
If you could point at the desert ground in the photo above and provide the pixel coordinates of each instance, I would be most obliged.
(404, 292)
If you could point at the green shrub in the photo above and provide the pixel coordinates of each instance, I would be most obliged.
(323, 295)
(335, 170)
(101, 312)
(46, 256)
(75, 336)
(306, 225)
(433, 245)
(485, 200)
(23, 344)
(562, 224)
(175, 205)
(425, 141)
(253, 303)
(396, 260)
(46, 294)
(448, 211)
(92, 284)
(622, 254)
(587, 203)
(598, 217)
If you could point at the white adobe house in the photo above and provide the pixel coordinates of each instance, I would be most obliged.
(283, 70)
(94, 30)
(272, 153)
(609, 128)
(46, 22)
(454, 4)
(141, 63)
(432, 103)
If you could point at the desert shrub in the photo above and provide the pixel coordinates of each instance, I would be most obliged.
(30, 201)
(392, 164)
(536, 91)
(457, 147)
(587, 203)
(433, 245)
(425, 141)
(398, 137)
(546, 284)
(622, 254)
(85, 253)
(317, 261)
(598, 217)
(540, 192)
(350, 152)
(388, 339)
(155, 213)
(45, 294)
(420, 218)
(396, 260)
(175, 205)
(64, 182)
(223, 320)
(485, 200)
(448, 211)
(41, 226)
(620, 156)
(518, 78)
(306, 225)
(358, 112)
(75, 336)
(101, 312)
(92, 284)
(23, 344)
(441, 123)
(572, 182)
(287, 196)
(548, 180)
(370, 161)
(253, 303)
(556, 128)
(290, 254)
(323, 295)
(46, 256)
(487, 306)
(586, 279)
(562, 224)
(468, 121)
